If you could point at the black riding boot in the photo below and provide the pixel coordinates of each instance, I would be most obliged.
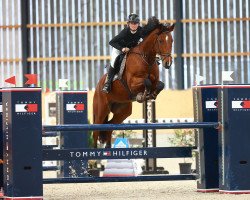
(109, 79)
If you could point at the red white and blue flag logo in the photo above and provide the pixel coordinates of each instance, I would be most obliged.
(75, 107)
(211, 104)
(26, 107)
(241, 104)
(106, 153)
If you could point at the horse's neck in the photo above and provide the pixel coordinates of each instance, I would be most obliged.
(147, 47)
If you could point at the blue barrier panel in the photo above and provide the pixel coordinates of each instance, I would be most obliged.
(205, 99)
(120, 179)
(22, 143)
(234, 139)
(72, 108)
(117, 153)
(139, 126)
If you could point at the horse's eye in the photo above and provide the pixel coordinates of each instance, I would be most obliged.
(161, 41)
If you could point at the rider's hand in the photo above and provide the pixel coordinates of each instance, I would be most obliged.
(125, 50)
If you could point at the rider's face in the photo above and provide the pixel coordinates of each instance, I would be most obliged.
(133, 26)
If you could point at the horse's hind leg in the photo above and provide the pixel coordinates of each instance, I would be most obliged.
(102, 119)
(100, 113)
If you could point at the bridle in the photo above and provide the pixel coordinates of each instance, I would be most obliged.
(164, 55)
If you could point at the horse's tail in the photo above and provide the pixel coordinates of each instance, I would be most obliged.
(103, 136)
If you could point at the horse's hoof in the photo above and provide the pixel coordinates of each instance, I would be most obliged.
(140, 98)
(153, 96)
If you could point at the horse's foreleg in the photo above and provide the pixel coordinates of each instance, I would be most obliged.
(141, 97)
(159, 87)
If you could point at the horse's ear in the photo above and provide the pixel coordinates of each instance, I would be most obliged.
(167, 28)
(170, 28)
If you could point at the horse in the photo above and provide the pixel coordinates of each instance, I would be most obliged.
(140, 79)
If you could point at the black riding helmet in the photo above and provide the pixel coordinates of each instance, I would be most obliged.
(133, 18)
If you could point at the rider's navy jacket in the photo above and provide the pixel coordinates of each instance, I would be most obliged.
(126, 39)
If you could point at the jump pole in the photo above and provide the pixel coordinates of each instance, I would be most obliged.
(149, 116)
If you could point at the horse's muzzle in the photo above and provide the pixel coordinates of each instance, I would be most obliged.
(167, 61)
(168, 64)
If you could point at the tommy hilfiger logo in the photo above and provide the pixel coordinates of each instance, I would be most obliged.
(26, 108)
(112, 153)
(107, 153)
(244, 104)
(211, 104)
(79, 106)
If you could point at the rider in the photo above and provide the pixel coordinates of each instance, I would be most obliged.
(126, 39)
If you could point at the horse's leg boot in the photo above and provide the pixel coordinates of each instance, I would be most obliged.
(107, 85)
(159, 87)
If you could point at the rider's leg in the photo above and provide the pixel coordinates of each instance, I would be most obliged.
(107, 85)
(111, 72)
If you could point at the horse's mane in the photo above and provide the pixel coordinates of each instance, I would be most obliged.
(152, 24)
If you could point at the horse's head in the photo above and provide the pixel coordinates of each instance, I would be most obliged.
(159, 36)
(163, 44)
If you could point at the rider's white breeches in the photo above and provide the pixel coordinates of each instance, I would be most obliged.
(115, 52)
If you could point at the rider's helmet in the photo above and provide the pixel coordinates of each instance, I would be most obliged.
(134, 18)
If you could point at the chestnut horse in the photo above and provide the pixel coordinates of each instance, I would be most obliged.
(140, 79)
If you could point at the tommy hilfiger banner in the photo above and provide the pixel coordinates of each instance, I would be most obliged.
(117, 153)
